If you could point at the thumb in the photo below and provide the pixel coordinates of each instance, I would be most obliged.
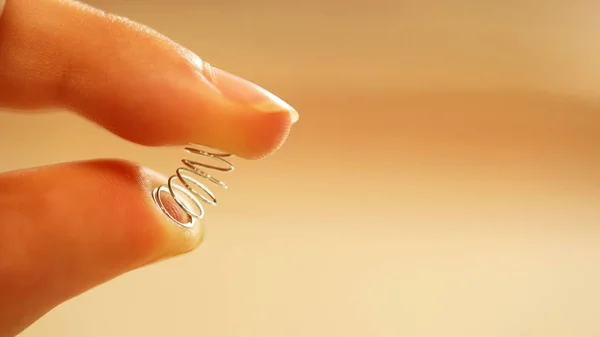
(69, 227)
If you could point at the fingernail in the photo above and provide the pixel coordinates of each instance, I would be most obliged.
(171, 206)
(246, 92)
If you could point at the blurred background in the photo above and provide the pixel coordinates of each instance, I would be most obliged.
(443, 179)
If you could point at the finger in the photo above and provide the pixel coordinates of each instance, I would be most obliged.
(69, 227)
(131, 80)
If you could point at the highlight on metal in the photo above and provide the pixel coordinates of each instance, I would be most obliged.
(185, 184)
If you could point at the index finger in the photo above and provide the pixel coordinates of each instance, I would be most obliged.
(131, 80)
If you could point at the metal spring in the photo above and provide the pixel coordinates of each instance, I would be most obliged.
(185, 176)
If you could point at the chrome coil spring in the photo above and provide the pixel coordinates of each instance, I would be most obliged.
(190, 187)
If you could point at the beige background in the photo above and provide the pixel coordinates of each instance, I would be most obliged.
(443, 180)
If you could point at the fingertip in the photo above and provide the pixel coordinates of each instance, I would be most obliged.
(268, 136)
(175, 238)
(251, 135)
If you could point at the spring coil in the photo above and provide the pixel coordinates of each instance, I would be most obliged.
(185, 176)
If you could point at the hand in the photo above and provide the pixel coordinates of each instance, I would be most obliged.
(56, 240)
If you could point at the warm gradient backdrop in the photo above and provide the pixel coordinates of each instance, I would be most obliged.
(443, 179)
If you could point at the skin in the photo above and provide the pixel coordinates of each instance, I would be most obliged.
(55, 240)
